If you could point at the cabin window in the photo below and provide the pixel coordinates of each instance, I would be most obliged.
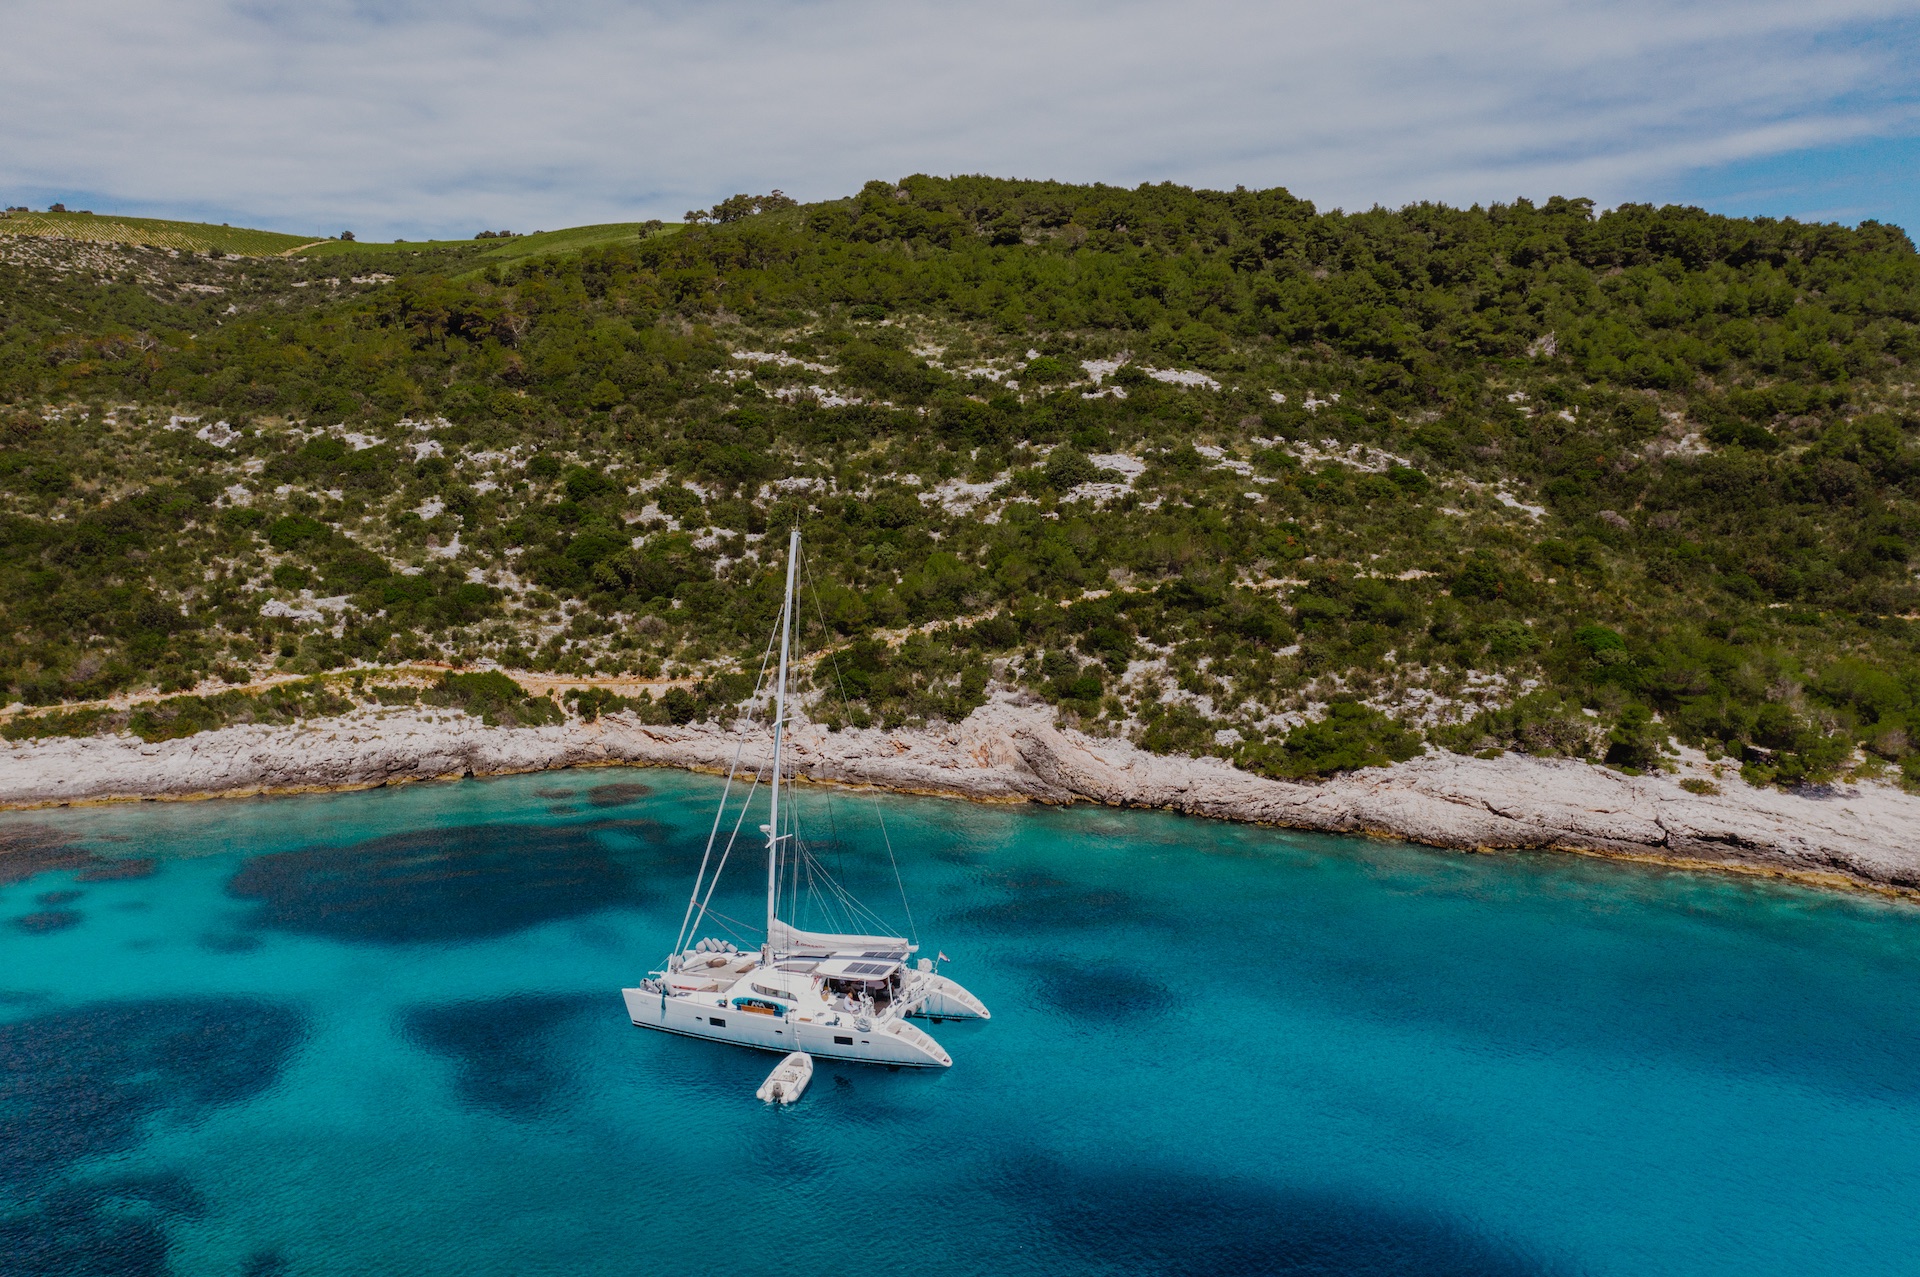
(840, 1041)
(717, 1022)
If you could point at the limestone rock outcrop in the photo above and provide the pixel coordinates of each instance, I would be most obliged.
(1867, 835)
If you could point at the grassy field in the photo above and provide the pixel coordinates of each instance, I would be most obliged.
(241, 241)
(339, 248)
(573, 240)
(153, 232)
(487, 252)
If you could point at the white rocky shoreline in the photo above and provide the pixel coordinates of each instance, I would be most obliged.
(1867, 836)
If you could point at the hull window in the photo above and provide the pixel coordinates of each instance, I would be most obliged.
(717, 1022)
(840, 1041)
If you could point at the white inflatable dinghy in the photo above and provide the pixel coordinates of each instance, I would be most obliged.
(788, 1081)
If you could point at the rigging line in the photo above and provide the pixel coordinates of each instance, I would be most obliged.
(680, 940)
(898, 883)
(855, 912)
(732, 837)
(833, 833)
(840, 907)
(732, 926)
(789, 896)
(788, 885)
(820, 881)
(885, 837)
(806, 863)
(720, 811)
(797, 885)
(843, 897)
(729, 918)
(838, 869)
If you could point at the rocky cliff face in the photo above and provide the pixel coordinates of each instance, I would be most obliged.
(1005, 750)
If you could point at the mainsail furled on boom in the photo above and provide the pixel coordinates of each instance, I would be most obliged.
(789, 939)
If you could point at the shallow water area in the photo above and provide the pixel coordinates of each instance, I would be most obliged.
(382, 1032)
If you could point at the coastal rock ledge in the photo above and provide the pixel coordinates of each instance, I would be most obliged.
(1865, 836)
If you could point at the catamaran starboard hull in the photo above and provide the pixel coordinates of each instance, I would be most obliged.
(945, 999)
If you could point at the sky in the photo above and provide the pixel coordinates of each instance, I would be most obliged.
(424, 118)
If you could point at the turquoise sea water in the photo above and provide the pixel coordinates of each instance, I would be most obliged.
(381, 1033)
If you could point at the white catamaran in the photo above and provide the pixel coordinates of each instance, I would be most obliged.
(838, 996)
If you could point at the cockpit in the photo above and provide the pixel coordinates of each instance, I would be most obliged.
(876, 977)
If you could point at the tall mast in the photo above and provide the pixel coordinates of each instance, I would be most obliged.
(779, 738)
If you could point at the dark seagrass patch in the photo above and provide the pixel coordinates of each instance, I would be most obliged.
(1182, 1222)
(81, 1083)
(114, 1228)
(44, 921)
(618, 794)
(437, 885)
(506, 1052)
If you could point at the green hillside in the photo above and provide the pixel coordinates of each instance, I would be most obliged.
(1215, 471)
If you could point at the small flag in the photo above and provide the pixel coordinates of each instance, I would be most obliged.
(945, 958)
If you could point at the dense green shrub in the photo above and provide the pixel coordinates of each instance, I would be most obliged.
(1350, 737)
(79, 722)
(295, 530)
(494, 698)
(1541, 723)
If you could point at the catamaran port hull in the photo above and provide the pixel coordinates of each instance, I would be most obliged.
(885, 1041)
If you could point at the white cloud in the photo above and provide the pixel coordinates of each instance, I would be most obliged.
(436, 117)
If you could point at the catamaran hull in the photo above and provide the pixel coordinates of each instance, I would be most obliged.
(944, 999)
(887, 1041)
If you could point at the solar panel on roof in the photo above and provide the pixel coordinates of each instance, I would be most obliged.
(867, 968)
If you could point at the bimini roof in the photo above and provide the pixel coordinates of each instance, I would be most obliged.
(871, 969)
(789, 939)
